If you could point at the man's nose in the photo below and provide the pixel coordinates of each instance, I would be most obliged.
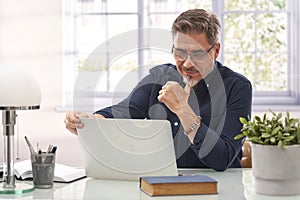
(188, 62)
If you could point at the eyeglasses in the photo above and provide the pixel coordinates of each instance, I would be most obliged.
(196, 56)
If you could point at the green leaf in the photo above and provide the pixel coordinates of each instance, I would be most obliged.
(279, 135)
(286, 134)
(257, 118)
(267, 141)
(268, 129)
(243, 120)
(256, 140)
(293, 121)
(272, 112)
(246, 133)
(239, 136)
(275, 131)
(272, 140)
(279, 116)
(288, 139)
(298, 135)
(266, 135)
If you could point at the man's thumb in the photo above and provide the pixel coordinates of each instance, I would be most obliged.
(187, 88)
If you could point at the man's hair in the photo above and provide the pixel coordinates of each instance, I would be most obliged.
(196, 21)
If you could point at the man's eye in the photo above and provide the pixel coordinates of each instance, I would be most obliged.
(180, 52)
(199, 54)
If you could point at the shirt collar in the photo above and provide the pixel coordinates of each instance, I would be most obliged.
(208, 80)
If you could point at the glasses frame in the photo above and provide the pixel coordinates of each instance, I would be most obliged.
(192, 53)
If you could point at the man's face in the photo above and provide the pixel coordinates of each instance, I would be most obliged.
(194, 56)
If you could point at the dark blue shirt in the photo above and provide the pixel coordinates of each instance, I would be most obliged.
(220, 99)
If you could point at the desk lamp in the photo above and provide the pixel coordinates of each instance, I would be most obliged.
(18, 91)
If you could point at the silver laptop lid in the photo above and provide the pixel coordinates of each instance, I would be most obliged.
(126, 149)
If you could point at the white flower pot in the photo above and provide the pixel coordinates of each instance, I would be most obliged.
(276, 170)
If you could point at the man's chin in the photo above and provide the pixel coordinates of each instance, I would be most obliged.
(190, 80)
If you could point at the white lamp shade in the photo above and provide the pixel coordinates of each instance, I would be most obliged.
(18, 88)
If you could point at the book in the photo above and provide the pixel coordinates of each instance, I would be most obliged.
(178, 185)
(62, 173)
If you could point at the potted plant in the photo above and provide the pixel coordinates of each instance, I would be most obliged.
(275, 153)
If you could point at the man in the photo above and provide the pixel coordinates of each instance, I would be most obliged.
(201, 98)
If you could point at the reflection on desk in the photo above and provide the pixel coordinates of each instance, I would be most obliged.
(233, 184)
(229, 182)
(106, 189)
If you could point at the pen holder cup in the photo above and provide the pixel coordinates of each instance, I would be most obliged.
(43, 169)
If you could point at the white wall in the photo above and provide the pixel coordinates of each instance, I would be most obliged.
(31, 37)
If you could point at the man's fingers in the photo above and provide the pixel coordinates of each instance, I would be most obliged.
(170, 82)
(73, 124)
(81, 114)
(70, 117)
(72, 120)
(187, 87)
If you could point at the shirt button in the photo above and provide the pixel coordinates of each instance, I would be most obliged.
(175, 123)
(207, 85)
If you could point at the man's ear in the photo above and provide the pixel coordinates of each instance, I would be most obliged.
(217, 50)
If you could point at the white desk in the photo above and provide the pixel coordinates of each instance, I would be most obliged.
(233, 184)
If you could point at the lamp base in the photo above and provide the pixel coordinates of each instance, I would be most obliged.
(20, 188)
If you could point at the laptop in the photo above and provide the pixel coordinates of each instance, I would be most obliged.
(126, 149)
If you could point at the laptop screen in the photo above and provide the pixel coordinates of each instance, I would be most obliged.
(126, 149)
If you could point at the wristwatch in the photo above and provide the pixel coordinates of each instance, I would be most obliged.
(194, 126)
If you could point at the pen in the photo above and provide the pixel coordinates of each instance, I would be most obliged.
(29, 145)
(39, 150)
(53, 150)
(49, 148)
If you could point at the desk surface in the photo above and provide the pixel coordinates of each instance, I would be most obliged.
(232, 184)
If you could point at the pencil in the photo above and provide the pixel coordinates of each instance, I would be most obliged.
(49, 148)
(29, 145)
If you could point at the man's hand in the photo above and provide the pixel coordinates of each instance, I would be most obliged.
(174, 96)
(73, 122)
(176, 99)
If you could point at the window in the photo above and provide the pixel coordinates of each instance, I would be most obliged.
(259, 39)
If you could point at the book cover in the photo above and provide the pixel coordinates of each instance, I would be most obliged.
(178, 185)
(62, 173)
